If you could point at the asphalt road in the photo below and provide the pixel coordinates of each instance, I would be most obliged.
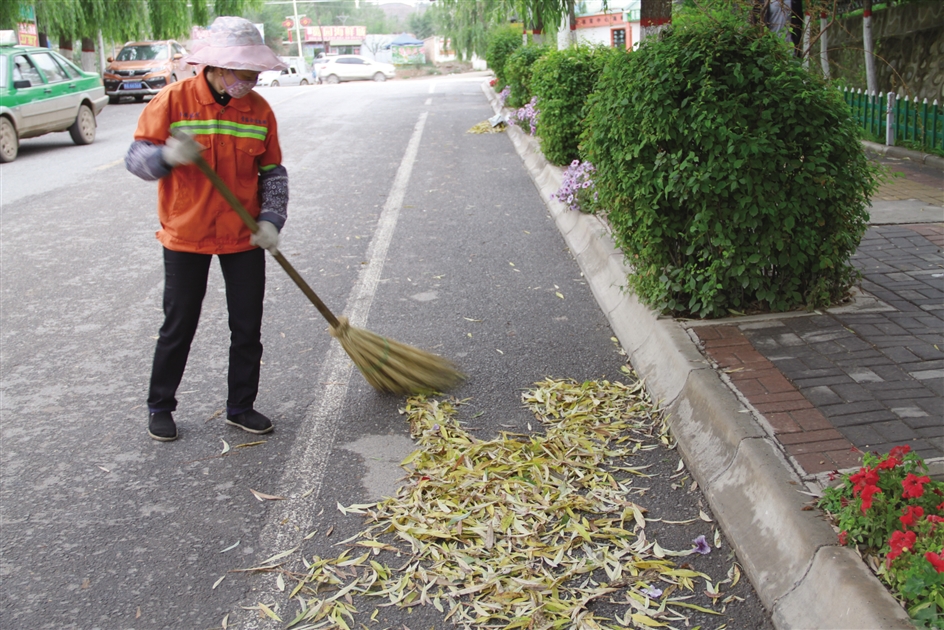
(398, 218)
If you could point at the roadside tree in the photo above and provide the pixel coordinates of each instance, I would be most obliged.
(733, 179)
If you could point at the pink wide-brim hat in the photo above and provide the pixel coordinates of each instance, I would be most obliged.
(234, 43)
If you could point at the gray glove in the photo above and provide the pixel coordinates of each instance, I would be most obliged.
(267, 237)
(180, 149)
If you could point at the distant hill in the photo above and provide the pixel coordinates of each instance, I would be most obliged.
(400, 11)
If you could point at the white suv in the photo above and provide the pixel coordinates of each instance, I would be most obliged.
(352, 68)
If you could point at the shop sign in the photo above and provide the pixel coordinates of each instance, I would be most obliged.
(26, 34)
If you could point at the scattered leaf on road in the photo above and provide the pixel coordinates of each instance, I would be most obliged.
(233, 546)
(261, 496)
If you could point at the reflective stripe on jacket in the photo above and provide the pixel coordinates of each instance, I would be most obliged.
(242, 141)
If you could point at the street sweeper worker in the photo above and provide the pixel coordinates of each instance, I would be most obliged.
(218, 116)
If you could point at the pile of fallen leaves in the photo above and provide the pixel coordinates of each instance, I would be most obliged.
(519, 531)
(486, 127)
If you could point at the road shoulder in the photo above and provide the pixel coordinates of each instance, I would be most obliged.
(791, 554)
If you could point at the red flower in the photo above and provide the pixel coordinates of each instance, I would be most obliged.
(910, 515)
(867, 493)
(914, 486)
(936, 560)
(899, 452)
(888, 464)
(899, 542)
(940, 508)
(842, 537)
(935, 519)
(862, 479)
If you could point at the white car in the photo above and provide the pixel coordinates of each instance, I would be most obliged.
(275, 78)
(352, 68)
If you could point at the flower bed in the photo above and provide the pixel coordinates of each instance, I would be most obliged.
(893, 513)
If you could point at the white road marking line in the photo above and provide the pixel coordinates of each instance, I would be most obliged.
(429, 101)
(304, 472)
(377, 251)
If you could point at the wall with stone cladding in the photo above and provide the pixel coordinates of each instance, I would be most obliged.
(909, 42)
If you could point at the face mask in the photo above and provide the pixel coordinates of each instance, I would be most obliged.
(238, 88)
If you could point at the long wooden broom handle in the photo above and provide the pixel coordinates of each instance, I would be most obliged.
(250, 222)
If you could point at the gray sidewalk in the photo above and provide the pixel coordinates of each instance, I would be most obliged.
(765, 407)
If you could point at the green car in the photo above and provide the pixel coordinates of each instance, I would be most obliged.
(41, 92)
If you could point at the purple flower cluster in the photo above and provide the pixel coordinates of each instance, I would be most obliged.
(504, 94)
(528, 113)
(576, 185)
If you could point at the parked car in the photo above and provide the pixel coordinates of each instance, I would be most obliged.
(143, 68)
(351, 68)
(42, 92)
(295, 74)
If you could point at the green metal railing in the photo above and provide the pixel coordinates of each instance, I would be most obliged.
(899, 121)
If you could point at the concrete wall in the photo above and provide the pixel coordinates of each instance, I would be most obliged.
(909, 43)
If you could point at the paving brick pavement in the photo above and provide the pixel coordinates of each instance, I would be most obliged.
(867, 377)
(908, 180)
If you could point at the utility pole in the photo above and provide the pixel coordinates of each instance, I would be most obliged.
(298, 34)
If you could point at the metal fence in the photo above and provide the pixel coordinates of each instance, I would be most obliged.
(899, 121)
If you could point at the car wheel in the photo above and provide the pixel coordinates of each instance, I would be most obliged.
(380, 77)
(304, 82)
(274, 84)
(83, 129)
(113, 100)
(333, 78)
(9, 143)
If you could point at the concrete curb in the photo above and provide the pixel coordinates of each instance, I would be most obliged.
(792, 556)
(901, 152)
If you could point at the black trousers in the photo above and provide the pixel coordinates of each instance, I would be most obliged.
(185, 281)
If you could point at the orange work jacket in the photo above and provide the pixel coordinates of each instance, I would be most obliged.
(241, 140)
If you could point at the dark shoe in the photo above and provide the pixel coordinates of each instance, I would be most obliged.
(251, 421)
(161, 426)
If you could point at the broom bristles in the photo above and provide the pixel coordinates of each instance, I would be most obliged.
(391, 366)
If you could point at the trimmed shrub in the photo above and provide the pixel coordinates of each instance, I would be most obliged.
(518, 72)
(733, 179)
(502, 41)
(562, 80)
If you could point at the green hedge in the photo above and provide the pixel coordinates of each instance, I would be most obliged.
(562, 80)
(502, 41)
(733, 179)
(517, 73)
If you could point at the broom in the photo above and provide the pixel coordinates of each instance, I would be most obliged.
(388, 365)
